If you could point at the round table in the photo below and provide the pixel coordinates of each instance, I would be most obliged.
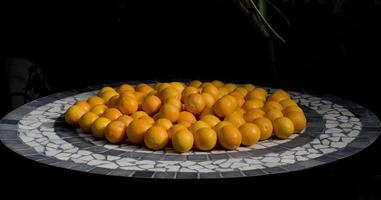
(336, 129)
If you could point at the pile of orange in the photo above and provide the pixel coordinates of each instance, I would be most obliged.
(195, 115)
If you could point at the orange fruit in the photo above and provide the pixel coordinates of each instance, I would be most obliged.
(235, 118)
(151, 104)
(240, 111)
(266, 127)
(99, 109)
(136, 130)
(206, 111)
(105, 89)
(210, 119)
(127, 105)
(287, 103)
(127, 94)
(106, 96)
(242, 91)
(73, 114)
(144, 88)
(87, 120)
(138, 114)
(186, 124)
(230, 86)
(163, 86)
(283, 127)
(153, 92)
(124, 88)
(156, 116)
(199, 124)
(292, 109)
(112, 102)
(178, 86)
(223, 91)
(211, 89)
(115, 132)
(174, 129)
(253, 114)
(175, 102)
(250, 133)
(272, 105)
(148, 119)
(188, 91)
(183, 141)
(279, 95)
(205, 139)
(238, 97)
(195, 103)
(252, 104)
(95, 100)
(139, 96)
(98, 127)
(156, 138)
(208, 99)
(220, 125)
(229, 137)
(86, 106)
(165, 123)
(249, 87)
(112, 114)
(125, 119)
(169, 112)
(157, 85)
(225, 106)
(186, 117)
(217, 83)
(169, 92)
(298, 119)
(195, 83)
(257, 93)
(274, 114)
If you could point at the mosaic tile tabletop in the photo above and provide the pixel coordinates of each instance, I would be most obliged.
(336, 129)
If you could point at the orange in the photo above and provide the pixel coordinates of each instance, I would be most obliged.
(73, 114)
(292, 109)
(230, 86)
(169, 92)
(195, 103)
(136, 130)
(156, 116)
(274, 114)
(175, 102)
(139, 96)
(183, 141)
(186, 117)
(207, 111)
(112, 114)
(195, 83)
(199, 124)
(151, 104)
(217, 83)
(229, 137)
(266, 127)
(87, 120)
(112, 102)
(223, 91)
(257, 93)
(156, 138)
(253, 103)
(138, 114)
(220, 125)
(240, 111)
(157, 85)
(105, 89)
(250, 133)
(125, 119)
(211, 89)
(186, 124)
(205, 139)
(125, 87)
(162, 86)
(225, 106)
(235, 118)
(238, 97)
(86, 106)
(283, 127)
(178, 86)
(148, 119)
(210, 119)
(241, 90)
(208, 99)
(174, 129)
(127, 105)
(99, 109)
(128, 94)
(298, 119)
(188, 91)
(144, 88)
(115, 132)
(98, 127)
(106, 96)
(153, 92)
(253, 114)
(287, 103)
(165, 123)
(95, 100)
(272, 105)
(170, 112)
(279, 95)
(249, 87)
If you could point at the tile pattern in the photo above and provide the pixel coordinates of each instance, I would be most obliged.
(336, 129)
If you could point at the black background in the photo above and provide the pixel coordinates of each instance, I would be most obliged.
(328, 52)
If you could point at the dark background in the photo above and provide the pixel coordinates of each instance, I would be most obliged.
(327, 50)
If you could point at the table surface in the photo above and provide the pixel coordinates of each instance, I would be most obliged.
(336, 129)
